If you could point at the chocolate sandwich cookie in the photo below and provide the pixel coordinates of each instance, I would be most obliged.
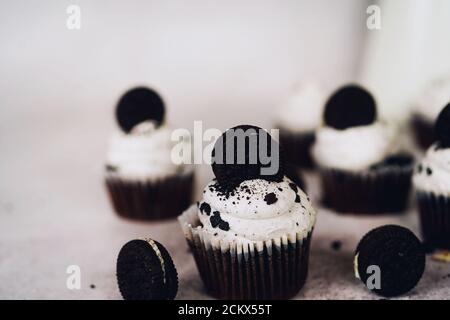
(138, 105)
(350, 106)
(145, 271)
(442, 127)
(243, 153)
(398, 255)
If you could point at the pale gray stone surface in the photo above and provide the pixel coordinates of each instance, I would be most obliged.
(55, 213)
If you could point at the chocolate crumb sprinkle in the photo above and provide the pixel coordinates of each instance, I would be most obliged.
(336, 245)
(205, 208)
(270, 198)
(215, 219)
(223, 225)
(111, 168)
(293, 186)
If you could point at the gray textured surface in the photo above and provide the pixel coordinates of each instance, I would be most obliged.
(54, 212)
(61, 217)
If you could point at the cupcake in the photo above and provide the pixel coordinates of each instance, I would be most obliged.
(298, 120)
(432, 185)
(426, 110)
(142, 180)
(362, 169)
(251, 232)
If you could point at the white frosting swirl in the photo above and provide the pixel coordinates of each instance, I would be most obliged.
(355, 148)
(433, 173)
(302, 112)
(142, 154)
(252, 218)
(433, 99)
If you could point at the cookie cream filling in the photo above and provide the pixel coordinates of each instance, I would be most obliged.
(257, 210)
(355, 266)
(355, 148)
(433, 100)
(302, 112)
(159, 255)
(432, 174)
(142, 154)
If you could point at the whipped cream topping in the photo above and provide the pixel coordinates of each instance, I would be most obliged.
(258, 210)
(355, 148)
(142, 154)
(432, 174)
(302, 112)
(434, 98)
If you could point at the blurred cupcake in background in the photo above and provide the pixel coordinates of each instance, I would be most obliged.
(298, 119)
(251, 232)
(426, 109)
(361, 166)
(432, 184)
(142, 180)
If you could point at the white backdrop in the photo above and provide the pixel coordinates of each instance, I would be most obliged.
(225, 63)
(202, 55)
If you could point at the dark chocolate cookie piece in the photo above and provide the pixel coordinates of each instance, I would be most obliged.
(145, 271)
(244, 153)
(350, 106)
(138, 105)
(442, 127)
(399, 255)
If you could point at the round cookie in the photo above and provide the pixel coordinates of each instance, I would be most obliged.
(145, 271)
(442, 127)
(230, 175)
(397, 252)
(350, 106)
(138, 105)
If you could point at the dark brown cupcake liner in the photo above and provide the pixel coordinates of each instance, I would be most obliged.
(150, 200)
(434, 213)
(297, 147)
(263, 270)
(376, 191)
(423, 131)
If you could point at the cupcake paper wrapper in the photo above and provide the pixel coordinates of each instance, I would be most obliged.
(435, 219)
(272, 269)
(297, 147)
(150, 200)
(384, 190)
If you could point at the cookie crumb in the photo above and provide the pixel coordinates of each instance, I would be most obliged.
(270, 198)
(336, 245)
